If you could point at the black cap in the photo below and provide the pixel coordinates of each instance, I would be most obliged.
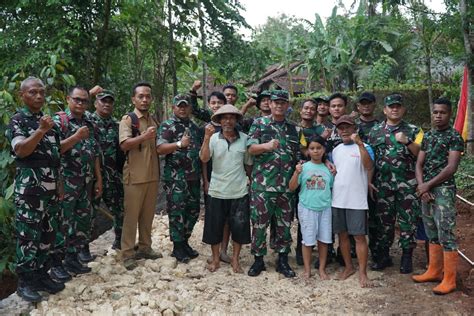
(366, 96)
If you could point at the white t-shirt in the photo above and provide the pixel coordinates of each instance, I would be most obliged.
(350, 183)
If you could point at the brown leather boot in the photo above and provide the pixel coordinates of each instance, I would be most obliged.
(435, 267)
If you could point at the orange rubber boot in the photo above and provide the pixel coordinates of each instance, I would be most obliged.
(450, 268)
(435, 267)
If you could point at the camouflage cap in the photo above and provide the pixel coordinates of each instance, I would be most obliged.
(321, 98)
(105, 94)
(393, 99)
(263, 94)
(280, 95)
(181, 98)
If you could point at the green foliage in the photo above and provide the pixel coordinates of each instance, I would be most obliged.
(464, 180)
(7, 237)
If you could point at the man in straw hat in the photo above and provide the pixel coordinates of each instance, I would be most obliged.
(228, 192)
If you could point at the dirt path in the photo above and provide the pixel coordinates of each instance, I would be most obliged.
(171, 288)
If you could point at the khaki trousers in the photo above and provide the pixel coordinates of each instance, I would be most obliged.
(139, 210)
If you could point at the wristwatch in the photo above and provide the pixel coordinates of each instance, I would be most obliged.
(408, 142)
(179, 144)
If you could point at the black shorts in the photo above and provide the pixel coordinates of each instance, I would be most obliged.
(236, 212)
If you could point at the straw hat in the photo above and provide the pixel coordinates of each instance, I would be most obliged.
(226, 109)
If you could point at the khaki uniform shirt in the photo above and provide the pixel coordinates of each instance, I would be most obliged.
(142, 165)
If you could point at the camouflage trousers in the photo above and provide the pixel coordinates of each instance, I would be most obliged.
(274, 209)
(76, 219)
(402, 206)
(183, 203)
(113, 198)
(439, 217)
(36, 225)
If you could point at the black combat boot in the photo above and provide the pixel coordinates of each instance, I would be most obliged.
(73, 266)
(382, 261)
(190, 251)
(283, 267)
(179, 252)
(117, 245)
(59, 274)
(406, 263)
(45, 283)
(257, 267)
(26, 288)
(84, 255)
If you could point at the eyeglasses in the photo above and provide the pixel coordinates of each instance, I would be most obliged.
(80, 101)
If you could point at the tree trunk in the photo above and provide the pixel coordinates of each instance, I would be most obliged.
(101, 42)
(429, 81)
(204, 55)
(469, 47)
(171, 50)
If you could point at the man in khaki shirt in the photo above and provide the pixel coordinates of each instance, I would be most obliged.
(140, 178)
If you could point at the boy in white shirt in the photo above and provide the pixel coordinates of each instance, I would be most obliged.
(353, 160)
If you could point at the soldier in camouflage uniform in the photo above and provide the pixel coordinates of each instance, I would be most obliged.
(396, 145)
(274, 143)
(365, 122)
(112, 158)
(35, 146)
(437, 162)
(179, 139)
(81, 167)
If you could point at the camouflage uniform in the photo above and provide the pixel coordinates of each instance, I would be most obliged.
(108, 136)
(35, 190)
(307, 133)
(271, 201)
(364, 130)
(181, 177)
(200, 113)
(78, 170)
(396, 182)
(439, 216)
(333, 140)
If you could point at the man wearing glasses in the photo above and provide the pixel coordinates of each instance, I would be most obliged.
(80, 164)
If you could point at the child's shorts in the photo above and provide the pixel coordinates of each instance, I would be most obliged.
(315, 225)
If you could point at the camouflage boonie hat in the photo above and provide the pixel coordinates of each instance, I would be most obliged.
(104, 94)
(263, 94)
(181, 98)
(280, 95)
(393, 99)
(321, 98)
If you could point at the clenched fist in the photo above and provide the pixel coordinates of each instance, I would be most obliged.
(356, 139)
(83, 132)
(45, 123)
(209, 131)
(273, 144)
(150, 133)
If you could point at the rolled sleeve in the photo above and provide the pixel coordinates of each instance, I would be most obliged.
(16, 140)
(370, 151)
